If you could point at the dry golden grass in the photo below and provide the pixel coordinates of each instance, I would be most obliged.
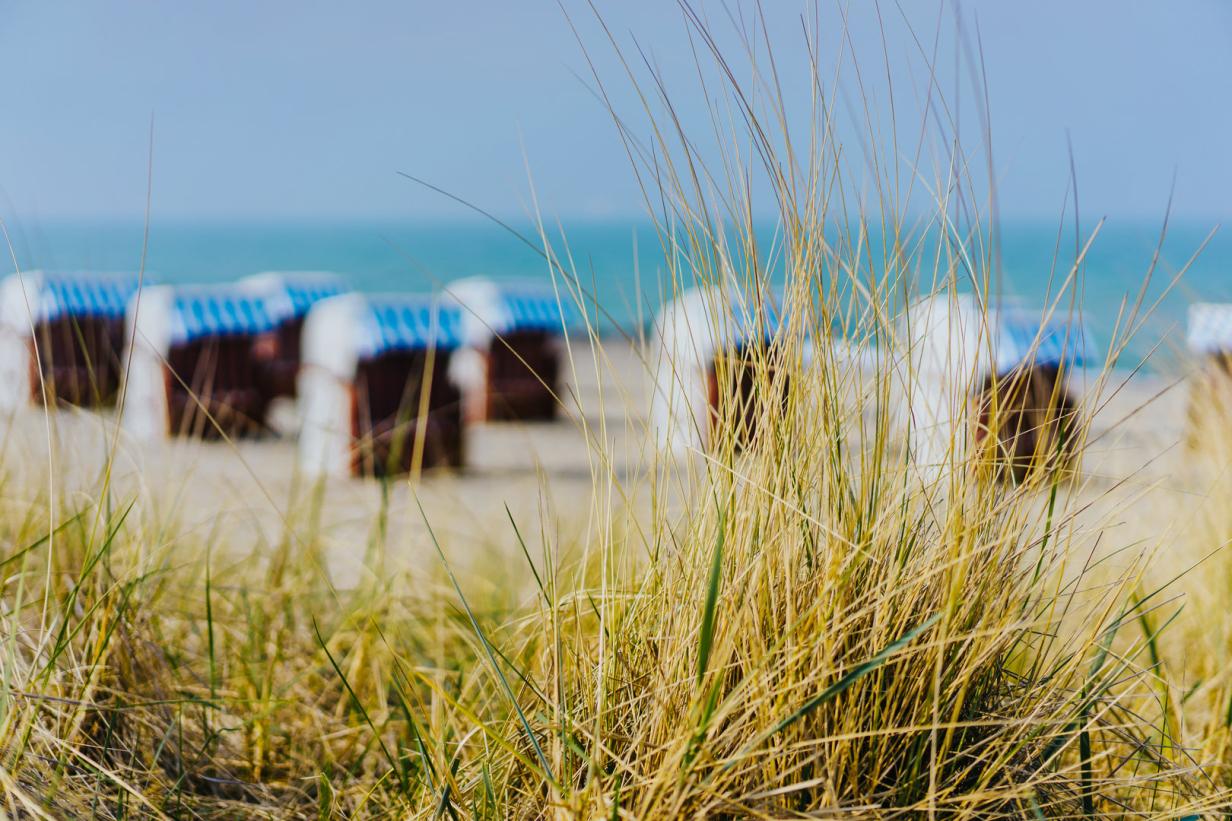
(796, 628)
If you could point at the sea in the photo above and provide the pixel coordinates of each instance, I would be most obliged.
(621, 263)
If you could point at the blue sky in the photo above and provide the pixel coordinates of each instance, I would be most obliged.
(281, 109)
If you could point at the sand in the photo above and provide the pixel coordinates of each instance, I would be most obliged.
(1135, 477)
(243, 492)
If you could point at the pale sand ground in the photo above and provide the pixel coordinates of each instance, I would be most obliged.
(1136, 477)
(242, 492)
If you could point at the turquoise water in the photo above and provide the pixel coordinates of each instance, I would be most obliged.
(380, 256)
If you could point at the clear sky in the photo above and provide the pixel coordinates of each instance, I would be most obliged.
(278, 109)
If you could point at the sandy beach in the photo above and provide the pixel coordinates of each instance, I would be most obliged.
(549, 475)
(887, 471)
(244, 491)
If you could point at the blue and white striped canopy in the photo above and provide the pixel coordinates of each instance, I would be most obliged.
(400, 323)
(766, 322)
(1027, 337)
(84, 295)
(538, 310)
(303, 290)
(203, 313)
(1210, 328)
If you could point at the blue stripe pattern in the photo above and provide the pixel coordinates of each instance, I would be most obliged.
(197, 315)
(409, 323)
(1025, 337)
(537, 310)
(305, 292)
(768, 321)
(86, 295)
(1210, 328)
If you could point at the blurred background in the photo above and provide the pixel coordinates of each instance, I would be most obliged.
(271, 135)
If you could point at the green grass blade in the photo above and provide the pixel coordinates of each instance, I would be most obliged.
(40, 541)
(393, 763)
(526, 552)
(855, 675)
(487, 648)
(706, 638)
(614, 815)
(1085, 771)
(209, 624)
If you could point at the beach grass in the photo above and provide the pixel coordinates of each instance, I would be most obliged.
(804, 622)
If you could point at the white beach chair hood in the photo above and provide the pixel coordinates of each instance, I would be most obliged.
(490, 308)
(1209, 328)
(338, 333)
(162, 316)
(31, 297)
(689, 331)
(953, 345)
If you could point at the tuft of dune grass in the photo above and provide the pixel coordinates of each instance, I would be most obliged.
(794, 625)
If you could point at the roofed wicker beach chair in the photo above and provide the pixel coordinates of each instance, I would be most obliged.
(993, 378)
(288, 295)
(1209, 339)
(194, 362)
(714, 369)
(510, 365)
(375, 390)
(63, 334)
